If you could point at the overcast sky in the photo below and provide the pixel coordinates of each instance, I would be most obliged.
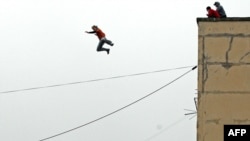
(43, 43)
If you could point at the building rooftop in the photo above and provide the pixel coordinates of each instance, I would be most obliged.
(223, 19)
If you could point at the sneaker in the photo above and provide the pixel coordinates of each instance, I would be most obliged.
(112, 44)
(108, 51)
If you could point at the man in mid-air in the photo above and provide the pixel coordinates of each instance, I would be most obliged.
(102, 39)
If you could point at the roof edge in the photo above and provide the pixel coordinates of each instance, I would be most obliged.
(223, 19)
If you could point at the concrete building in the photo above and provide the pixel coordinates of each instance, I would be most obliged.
(223, 75)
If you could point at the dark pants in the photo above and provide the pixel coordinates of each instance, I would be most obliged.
(101, 43)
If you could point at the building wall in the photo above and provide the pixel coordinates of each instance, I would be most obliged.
(223, 75)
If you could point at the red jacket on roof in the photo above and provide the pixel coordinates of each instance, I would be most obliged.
(213, 14)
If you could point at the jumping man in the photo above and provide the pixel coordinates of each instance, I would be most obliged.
(102, 39)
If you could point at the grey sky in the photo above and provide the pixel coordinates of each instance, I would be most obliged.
(42, 43)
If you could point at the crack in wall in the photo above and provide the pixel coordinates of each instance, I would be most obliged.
(204, 65)
(243, 57)
(203, 62)
(205, 73)
(228, 65)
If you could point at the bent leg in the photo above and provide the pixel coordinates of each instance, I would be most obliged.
(108, 42)
(100, 48)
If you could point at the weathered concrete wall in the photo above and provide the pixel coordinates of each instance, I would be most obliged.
(223, 76)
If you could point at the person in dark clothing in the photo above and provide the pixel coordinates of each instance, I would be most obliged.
(220, 10)
(102, 38)
(212, 13)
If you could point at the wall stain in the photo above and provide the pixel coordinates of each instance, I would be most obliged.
(240, 121)
(215, 121)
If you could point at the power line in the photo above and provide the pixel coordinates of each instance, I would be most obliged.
(93, 80)
(95, 120)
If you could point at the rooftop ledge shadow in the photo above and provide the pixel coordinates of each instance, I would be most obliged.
(223, 19)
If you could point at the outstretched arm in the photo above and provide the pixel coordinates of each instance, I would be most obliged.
(90, 32)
